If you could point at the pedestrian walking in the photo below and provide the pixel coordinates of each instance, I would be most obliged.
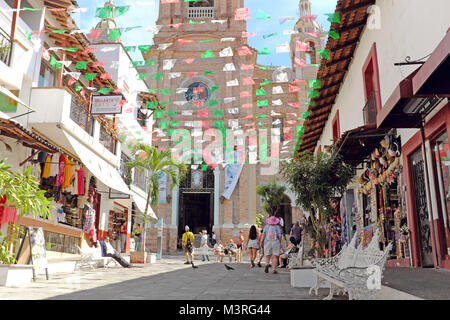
(296, 232)
(123, 236)
(252, 244)
(239, 243)
(137, 236)
(204, 246)
(188, 245)
(271, 241)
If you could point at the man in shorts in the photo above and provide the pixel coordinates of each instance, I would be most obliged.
(188, 245)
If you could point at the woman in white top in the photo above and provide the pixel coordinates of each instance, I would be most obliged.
(204, 246)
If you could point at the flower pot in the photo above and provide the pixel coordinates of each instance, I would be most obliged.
(15, 275)
(138, 257)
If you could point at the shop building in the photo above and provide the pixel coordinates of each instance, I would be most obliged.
(85, 159)
(377, 91)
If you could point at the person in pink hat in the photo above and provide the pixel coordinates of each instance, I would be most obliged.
(271, 241)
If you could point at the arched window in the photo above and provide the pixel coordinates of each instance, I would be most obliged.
(202, 3)
(311, 54)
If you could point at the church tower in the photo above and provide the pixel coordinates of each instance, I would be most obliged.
(107, 24)
(310, 32)
(198, 66)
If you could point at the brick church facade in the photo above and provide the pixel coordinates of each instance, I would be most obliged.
(210, 78)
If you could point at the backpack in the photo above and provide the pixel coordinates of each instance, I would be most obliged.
(188, 243)
(272, 233)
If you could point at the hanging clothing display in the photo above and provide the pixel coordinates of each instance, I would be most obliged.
(67, 174)
(88, 220)
(47, 166)
(61, 168)
(80, 178)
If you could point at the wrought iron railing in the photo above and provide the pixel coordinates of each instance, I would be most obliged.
(201, 13)
(5, 47)
(370, 109)
(140, 179)
(125, 170)
(107, 140)
(79, 114)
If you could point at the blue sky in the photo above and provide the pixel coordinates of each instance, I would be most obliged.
(146, 14)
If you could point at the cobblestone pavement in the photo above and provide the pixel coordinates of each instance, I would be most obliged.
(167, 279)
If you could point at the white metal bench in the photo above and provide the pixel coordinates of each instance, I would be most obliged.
(348, 271)
(92, 257)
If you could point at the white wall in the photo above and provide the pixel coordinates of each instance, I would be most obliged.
(408, 28)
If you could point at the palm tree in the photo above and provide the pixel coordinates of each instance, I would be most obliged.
(155, 162)
(272, 197)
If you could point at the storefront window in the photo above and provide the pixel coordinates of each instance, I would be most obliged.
(441, 150)
(61, 243)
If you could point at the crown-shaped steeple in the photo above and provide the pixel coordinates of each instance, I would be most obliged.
(108, 24)
(305, 8)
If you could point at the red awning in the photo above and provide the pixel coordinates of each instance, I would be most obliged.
(433, 77)
(392, 114)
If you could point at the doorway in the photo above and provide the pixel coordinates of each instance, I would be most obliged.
(421, 208)
(196, 211)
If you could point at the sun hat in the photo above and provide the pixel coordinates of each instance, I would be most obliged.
(272, 220)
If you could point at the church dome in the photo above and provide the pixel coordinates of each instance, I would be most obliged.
(107, 24)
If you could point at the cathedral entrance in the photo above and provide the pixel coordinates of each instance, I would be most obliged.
(196, 202)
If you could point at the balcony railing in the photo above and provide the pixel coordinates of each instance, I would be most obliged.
(140, 179)
(370, 110)
(79, 114)
(5, 47)
(201, 13)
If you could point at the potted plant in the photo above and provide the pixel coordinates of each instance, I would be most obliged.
(316, 180)
(155, 162)
(22, 192)
(272, 197)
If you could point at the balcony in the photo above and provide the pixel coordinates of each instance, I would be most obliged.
(80, 115)
(5, 47)
(59, 112)
(370, 109)
(201, 13)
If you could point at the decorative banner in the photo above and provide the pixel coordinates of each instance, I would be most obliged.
(162, 187)
(232, 174)
(106, 104)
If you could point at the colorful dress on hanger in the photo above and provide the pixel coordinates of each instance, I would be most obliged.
(80, 178)
(47, 167)
(89, 220)
(61, 169)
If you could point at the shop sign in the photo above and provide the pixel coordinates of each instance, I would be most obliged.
(106, 104)
(114, 194)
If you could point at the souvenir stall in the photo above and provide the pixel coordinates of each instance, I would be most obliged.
(75, 195)
(380, 198)
(117, 217)
(334, 231)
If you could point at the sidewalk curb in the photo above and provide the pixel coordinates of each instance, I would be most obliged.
(388, 293)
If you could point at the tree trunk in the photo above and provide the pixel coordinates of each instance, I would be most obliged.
(144, 237)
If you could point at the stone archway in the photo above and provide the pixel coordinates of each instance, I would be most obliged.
(286, 213)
